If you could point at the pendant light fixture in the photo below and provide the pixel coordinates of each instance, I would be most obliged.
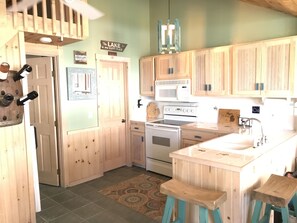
(169, 35)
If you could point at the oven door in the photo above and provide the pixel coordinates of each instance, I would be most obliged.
(160, 141)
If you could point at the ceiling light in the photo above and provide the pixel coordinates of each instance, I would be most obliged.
(169, 35)
(45, 39)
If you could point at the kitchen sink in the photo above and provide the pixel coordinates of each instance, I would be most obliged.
(231, 142)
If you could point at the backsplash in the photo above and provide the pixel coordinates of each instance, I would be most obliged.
(275, 114)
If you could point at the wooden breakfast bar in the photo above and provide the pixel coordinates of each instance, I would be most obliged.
(238, 173)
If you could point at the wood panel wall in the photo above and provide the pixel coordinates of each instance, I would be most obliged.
(16, 178)
(83, 156)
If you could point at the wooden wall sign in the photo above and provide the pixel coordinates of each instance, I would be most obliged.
(112, 46)
(80, 57)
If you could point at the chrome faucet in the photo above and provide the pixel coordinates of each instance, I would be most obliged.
(263, 138)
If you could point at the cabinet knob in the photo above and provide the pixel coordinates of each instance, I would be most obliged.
(257, 86)
(170, 70)
(205, 87)
(123, 120)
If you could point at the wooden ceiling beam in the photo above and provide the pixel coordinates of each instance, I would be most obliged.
(286, 6)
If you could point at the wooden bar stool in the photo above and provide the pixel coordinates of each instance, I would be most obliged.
(277, 192)
(204, 198)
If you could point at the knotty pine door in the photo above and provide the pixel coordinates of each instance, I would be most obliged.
(112, 100)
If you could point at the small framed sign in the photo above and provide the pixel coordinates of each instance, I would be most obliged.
(80, 57)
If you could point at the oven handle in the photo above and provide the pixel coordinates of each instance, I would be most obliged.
(173, 129)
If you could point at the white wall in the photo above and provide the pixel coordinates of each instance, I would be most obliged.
(275, 114)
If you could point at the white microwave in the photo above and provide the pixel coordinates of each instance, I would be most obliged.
(173, 90)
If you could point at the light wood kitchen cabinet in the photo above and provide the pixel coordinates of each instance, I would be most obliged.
(192, 137)
(147, 76)
(264, 68)
(174, 66)
(137, 143)
(211, 71)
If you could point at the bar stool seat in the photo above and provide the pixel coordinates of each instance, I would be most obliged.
(277, 192)
(206, 200)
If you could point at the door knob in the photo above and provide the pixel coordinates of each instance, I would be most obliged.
(123, 120)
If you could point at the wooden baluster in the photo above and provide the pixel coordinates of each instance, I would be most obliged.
(54, 17)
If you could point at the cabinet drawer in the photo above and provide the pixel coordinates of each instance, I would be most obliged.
(137, 126)
(199, 135)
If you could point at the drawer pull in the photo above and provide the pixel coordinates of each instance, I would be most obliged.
(197, 137)
(136, 128)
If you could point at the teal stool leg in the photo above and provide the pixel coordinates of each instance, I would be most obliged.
(257, 210)
(217, 216)
(267, 213)
(168, 209)
(294, 200)
(203, 215)
(285, 214)
(181, 212)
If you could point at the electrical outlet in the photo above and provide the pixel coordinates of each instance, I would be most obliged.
(256, 109)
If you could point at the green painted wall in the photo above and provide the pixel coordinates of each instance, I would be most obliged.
(205, 23)
(124, 21)
(208, 23)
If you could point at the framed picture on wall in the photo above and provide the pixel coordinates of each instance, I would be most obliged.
(81, 83)
(80, 57)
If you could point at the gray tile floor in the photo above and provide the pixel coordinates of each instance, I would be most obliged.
(83, 203)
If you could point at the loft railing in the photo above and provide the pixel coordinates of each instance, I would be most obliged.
(49, 18)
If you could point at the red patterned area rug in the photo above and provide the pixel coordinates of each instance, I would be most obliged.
(141, 193)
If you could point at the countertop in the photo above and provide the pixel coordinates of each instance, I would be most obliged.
(234, 161)
(210, 127)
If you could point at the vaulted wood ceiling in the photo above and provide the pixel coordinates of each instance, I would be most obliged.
(286, 6)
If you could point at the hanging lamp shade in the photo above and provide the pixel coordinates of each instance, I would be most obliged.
(169, 34)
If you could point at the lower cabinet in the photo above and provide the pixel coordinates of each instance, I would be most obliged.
(137, 141)
(192, 137)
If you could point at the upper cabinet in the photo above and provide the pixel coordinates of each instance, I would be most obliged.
(259, 69)
(264, 68)
(147, 76)
(174, 66)
(211, 71)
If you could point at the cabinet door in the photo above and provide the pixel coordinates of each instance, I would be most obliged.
(138, 148)
(211, 72)
(174, 66)
(246, 69)
(277, 67)
(147, 76)
(188, 142)
(164, 67)
(219, 75)
(182, 65)
(201, 70)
